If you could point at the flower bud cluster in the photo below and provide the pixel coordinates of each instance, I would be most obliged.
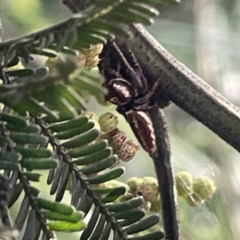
(194, 191)
(146, 187)
(124, 148)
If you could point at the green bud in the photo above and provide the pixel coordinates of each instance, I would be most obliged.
(156, 204)
(108, 121)
(133, 184)
(204, 187)
(148, 188)
(183, 184)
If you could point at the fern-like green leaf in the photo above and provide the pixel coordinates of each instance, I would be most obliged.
(110, 175)
(94, 26)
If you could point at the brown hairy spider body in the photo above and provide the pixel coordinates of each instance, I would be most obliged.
(142, 127)
(130, 91)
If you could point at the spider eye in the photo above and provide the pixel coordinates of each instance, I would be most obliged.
(120, 92)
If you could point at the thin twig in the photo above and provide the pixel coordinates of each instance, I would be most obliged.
(183, 87)
(164, 175)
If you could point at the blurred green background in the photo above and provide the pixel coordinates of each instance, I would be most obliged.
(204, 35)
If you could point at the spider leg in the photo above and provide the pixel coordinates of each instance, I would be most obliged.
(145, 99)
(128, 71)
(143, 86)
(132, 59)
(111, 73)
(120, 54)
(109, 59)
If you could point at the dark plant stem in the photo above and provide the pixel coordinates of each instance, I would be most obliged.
(183, 87)
(164, 175)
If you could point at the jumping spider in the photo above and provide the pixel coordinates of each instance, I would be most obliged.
(129, 90)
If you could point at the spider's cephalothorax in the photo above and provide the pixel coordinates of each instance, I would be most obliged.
(120, 91)
(130, 91)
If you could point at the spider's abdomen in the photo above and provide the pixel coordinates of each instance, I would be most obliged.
(120, 92)
(142, 127)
